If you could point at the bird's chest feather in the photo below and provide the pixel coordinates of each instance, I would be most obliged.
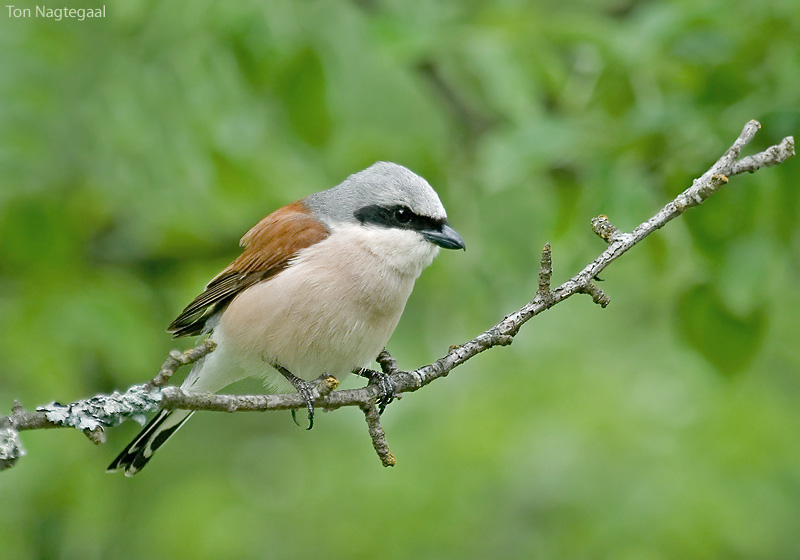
(334, 308)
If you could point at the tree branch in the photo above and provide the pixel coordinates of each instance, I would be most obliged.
(94, 414)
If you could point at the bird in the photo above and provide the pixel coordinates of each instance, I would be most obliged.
(317, 291)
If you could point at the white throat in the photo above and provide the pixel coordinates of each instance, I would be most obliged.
(403, 251)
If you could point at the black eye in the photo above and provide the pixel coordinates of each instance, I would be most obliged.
(403, 215)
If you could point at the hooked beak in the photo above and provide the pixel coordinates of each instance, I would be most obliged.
(446, 238)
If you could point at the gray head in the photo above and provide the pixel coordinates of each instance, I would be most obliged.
(386, 195)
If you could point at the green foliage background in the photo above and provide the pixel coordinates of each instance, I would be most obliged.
(136, 149)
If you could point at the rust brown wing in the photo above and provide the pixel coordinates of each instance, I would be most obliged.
(269, 246)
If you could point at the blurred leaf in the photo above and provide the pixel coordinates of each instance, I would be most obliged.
(728, 340)
(303, 93)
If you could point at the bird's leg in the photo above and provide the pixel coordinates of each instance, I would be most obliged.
(387, 388)
(304, 388)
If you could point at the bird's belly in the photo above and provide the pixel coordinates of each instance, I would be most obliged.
(314, 319)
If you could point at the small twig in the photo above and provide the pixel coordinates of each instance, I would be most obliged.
(545, 272)
(378, 435)
(598, 296)
(603, 227)
(769, 157)
(96, 436)
(177, 359)
(387, 362)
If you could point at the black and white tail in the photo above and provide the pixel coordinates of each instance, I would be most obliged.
(155, 434)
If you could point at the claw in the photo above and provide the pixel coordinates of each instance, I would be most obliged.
(387, 388)
(305, 389)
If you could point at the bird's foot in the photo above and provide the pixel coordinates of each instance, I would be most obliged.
(387, 388)
(305, 389)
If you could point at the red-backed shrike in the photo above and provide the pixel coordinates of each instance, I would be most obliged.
(319, 289)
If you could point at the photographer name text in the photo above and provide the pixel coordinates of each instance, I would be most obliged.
(56, 14)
